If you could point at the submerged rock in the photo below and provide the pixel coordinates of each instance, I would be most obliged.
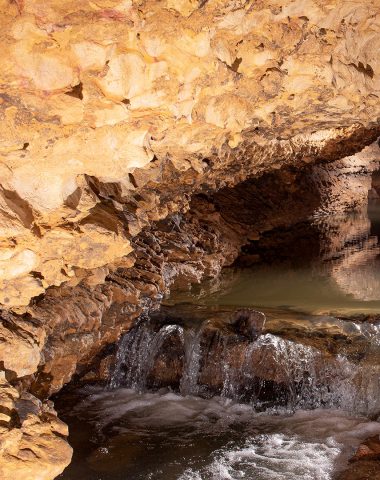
(368, 450)
(365, 464)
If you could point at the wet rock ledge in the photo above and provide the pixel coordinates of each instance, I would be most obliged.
(117, 135)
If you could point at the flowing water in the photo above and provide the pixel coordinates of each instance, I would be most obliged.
(193, 398)
(288, 369)
(165, 436)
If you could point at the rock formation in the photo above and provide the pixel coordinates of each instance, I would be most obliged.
(32, 438)
(365, 463)
(278, 359)
(114, 114)
(106, 109)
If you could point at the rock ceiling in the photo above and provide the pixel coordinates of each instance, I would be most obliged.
(106, 106)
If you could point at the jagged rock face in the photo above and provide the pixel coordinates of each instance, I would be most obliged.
(33, 444)
(114, 112)
(185, 248)
(65, 330)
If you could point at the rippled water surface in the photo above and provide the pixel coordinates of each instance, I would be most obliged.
(165, 436)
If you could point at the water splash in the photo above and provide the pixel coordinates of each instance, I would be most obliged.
(136, 354)
(165, 436)
(268, 373)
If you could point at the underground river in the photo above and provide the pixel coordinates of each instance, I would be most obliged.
(198, 392)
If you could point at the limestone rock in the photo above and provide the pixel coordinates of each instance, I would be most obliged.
(249, 322)
(32, 438)
(105, 106)
(365, 463)
(368, 450)
(113, 115)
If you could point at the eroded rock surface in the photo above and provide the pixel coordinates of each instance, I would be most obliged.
(32, 439)
(111, 118)
(365, 463)
(113, 114)
(68, 331)
(79, 322)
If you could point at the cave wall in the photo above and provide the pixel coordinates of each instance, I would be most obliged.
(119, 122)
(70, 331)
(110, 119)
(71, 325)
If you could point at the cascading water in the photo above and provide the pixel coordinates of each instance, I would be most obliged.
(143, 344)
(266, 372)
(192, 347)
(194, 396)
(232, 417)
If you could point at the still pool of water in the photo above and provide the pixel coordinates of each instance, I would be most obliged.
(338, 274)
(123, 435)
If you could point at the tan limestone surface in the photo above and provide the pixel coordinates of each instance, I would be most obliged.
(32, 438)
(109, 95)
(112, 115)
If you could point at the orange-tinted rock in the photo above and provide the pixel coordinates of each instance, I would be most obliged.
(32, 439)
(365, 464)
(114, 115)
(368, 450)
(144, 96)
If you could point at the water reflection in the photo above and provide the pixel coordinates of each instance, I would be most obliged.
(335, 270)
(358, 274)
(357, 270)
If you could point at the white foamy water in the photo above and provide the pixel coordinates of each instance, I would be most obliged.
(164, 436)
(306, 377)
(314, 446)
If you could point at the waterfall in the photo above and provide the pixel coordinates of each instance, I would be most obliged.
(136, 353)
(268, 372)
(189, 381)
